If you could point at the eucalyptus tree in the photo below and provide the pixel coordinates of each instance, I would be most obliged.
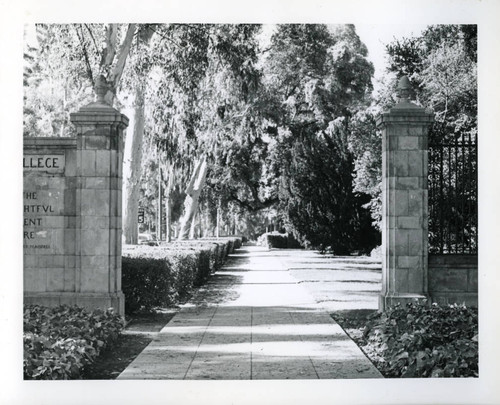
(71, 59)
(80, 54)
(206, 85)
(136, 80)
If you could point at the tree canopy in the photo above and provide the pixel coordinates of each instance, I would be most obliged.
(286, 131)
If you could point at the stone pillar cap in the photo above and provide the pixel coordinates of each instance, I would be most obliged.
(99, 111)
(100, 105)
(405, 110)
(404, 87)
(404, 90)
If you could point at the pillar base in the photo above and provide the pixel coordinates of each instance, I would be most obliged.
(89, 301)
(469, 299)
(388, 300)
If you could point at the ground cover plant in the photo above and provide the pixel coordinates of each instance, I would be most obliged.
(417, 340)
(60, 342)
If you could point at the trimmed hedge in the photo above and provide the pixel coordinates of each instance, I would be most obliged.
(60, 341)
(421, 341)
(164, 276)
(275, 240)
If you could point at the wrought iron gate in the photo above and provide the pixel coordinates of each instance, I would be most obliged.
(453, 202)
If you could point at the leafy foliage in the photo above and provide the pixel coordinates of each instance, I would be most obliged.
(59, 342)
(319, 78)
(53, 89)
(62, 67)
(442, 67)
(444, 72)
(365, 144)
(422, 341)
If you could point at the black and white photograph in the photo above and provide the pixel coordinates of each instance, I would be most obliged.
(223, 210)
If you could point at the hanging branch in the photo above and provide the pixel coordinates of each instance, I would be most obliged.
(93, 39)
(85, 54)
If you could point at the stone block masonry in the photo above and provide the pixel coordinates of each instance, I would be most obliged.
(453, 279)
(72, 213)
(404, 201)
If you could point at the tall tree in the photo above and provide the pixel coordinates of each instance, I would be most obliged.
(442, 66)
(137, 79)
(320, 77)
(207, 88)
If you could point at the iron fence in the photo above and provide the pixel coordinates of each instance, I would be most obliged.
(453, 202)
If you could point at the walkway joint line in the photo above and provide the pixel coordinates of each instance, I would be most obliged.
(251, 343)
(302, 340)
(199, 344)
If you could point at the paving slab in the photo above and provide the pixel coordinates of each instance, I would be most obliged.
(253, 320)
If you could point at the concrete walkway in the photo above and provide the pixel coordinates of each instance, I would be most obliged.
(252, 320)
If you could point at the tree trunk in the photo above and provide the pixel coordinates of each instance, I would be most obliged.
(192, 230)
(160, 206)
(132, 186)
(217, 234)
(168, 202)
(168, 218)
(193, 192)
(133, 181)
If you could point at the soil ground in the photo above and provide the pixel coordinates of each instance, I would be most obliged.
(138, 333)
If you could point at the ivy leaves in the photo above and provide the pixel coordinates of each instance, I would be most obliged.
(420, 341)
(59, 342)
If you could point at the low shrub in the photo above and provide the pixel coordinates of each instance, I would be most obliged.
(376, 252)
(215, 251)
(164, 276)
(238, 242)
(421, 341)
(275, 240)
(59, 342)
(157, 277)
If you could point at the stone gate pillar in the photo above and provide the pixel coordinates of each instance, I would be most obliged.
(99, 159)
(404, 200)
